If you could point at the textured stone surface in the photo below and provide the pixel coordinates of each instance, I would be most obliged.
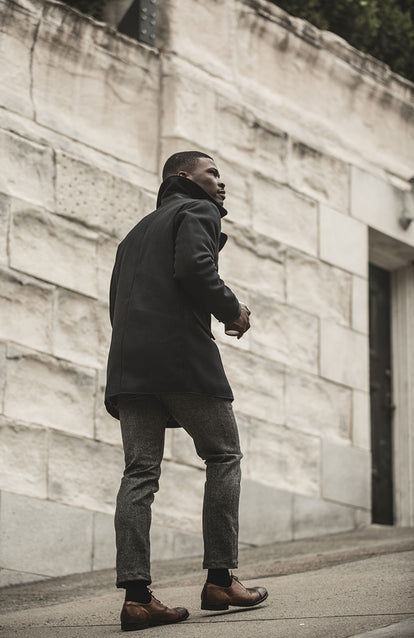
(346, 474)
(168, 543)
(316, 406)
(317, 288)
(307, 77)
(315, 517)
(3, 353)
(265, 514)
(96, 87)
(81, 331)
(379, 204)
(251, 141)
(28, 171)
(283, 457)
(343, 241)
(53, 249)
(360, 305)
(361, 420)
(189, 481)
(284, 215)
(63, 536)
(257, 383)
(271, 150)
(256, 55)
(96, 198)
(258, 272)
(4, 228)
(104, 551)
(183, 450)
(26, 310)
(321, 176)
(363, 517)
(344, 356)
(23, 448)
(262, 246)
(284, 333)
(83, 473)
(41, 389)
(212, 47)
(188, 105)
(17, 28)
(235, 131)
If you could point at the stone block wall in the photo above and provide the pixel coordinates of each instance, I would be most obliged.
(79, 167)
(299, 123)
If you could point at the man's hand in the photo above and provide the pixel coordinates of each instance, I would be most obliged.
(242, 323)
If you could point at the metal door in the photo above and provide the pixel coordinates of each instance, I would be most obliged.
(381, 399)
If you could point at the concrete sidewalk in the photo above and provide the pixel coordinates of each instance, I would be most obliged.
(331, 587)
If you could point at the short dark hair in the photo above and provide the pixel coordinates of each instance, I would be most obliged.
(182, 161)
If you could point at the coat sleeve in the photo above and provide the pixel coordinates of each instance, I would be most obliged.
(197, 236)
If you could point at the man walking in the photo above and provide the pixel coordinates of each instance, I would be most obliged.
(164, 369)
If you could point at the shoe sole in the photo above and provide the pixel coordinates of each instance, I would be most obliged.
(137, 626)
(225, 607)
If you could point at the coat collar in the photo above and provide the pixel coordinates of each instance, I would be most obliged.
(177, 185)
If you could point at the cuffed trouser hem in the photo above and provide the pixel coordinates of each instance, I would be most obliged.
(126, 582)
(221, 565)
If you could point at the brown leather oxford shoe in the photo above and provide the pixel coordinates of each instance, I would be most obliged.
(142, 615)
(215, 598)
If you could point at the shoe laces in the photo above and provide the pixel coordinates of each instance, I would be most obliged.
(237, 580)
(152, 595)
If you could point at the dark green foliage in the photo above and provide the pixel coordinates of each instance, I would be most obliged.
(91, 7)
(383, 28)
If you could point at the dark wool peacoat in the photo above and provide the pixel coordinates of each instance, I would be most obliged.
(165, 286)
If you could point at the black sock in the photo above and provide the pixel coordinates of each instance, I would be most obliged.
(137, 591)
(220, 577)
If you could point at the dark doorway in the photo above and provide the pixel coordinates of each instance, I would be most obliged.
(381, 400)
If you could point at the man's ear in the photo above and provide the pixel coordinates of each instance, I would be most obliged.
(182, 174)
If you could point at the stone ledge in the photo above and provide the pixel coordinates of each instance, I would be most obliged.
(362, 62)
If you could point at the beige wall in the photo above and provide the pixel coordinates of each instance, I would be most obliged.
(314, 141)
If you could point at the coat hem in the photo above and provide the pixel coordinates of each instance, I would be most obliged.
(111, 402)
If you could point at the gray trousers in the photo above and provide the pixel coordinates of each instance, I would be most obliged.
(210, 422)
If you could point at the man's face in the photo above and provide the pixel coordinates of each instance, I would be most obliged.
(206, 175)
